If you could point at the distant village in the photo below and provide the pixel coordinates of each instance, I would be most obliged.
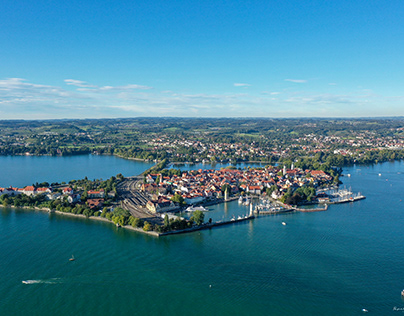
(186, 149)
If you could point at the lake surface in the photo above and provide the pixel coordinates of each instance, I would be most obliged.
(325, 263)
(20, 171)
(217, 166)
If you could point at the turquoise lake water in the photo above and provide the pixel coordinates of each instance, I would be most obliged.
(325, 263)
(19, 171)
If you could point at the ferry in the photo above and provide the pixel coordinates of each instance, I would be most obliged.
(196, 208)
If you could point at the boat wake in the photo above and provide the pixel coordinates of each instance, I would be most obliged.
(46, 281)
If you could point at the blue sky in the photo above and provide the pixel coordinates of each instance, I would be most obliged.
(95, 59)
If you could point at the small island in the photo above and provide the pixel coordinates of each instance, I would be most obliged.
(149, 203)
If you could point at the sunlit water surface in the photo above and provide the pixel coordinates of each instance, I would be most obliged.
(325, 263)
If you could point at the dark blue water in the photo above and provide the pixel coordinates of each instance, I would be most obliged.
(19, 171)
(326, 263)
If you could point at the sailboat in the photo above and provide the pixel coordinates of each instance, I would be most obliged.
(72, 258)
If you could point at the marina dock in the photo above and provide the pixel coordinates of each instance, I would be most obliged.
(337, 196)
(274, 212)
(209, 225)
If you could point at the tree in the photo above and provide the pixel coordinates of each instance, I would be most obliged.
(336, 180)
(137, 222)
(166, 221)
(147, 227)
(226, 187)
(5, 201)
(104, 212)
(273, 188)
(87, 213)
(177, 198)
(198, 217)
(84, 196)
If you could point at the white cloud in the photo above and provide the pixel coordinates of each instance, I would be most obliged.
(107, 88)
(78, 83)
(19, 83)
(20, 99)
(127, 87)
(84, 86)
(241, 84)
(296, 80)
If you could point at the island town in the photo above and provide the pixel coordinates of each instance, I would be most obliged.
(153, 203)
(287, 165)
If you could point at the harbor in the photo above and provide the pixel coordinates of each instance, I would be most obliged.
(210, 225)
(267, 207)
(338, 196)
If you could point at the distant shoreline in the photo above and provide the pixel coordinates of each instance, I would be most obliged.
(215, 163)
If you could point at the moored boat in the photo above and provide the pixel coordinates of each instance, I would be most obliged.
(196, 208)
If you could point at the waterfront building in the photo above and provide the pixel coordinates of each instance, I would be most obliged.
(10, 191)
(29, 190)
(96, 194)
(160, 205)
(95, 203)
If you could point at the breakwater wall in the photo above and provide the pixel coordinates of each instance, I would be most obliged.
(208, 226)
(312, 209)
